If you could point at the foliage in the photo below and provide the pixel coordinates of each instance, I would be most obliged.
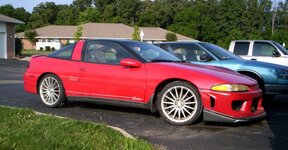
(23, 129)
(215, 21)
(31, 36)
(30, 52)
(47, 48)
(171, 36)
(18, 47)
(78, 33)
(136, 34)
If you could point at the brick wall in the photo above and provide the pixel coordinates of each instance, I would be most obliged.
(27, 44)
(10, 40)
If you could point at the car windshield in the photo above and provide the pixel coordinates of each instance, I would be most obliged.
(219, 52)
(285, 51)
(152, 53)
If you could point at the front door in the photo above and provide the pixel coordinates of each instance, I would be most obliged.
(102, 76)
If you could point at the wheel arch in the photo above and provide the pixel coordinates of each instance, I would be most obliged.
(160, 86)
(254, 75)
(40, 78)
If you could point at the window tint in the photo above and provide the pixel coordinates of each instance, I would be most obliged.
(104, 52)
(263, 49)
(241, 48)
(63, 53)
(188, 51)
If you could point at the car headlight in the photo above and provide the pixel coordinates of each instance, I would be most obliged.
(230, 88)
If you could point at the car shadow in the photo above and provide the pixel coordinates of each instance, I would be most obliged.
(114, 108)
(277, 119)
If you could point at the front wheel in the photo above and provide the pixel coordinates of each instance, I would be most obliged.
(179, 103)
(51, 91)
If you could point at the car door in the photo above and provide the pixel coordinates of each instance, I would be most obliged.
(263, 51)
(102, 76)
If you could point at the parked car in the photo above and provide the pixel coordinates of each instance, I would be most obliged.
(260, 50)
(272, 78)
(130, 73)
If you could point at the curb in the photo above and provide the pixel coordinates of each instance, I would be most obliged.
(123, 132)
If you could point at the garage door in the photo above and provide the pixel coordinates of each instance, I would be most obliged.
(3, 52)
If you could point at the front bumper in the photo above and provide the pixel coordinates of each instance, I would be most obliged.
(215, 117)
(273, 89)
(233, 106)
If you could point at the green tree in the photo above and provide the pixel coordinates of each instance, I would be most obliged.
(171, 36)
(31, 36)
(43, 14)
(66, 15)
(90, 15)
(136, 34)
(78, 33)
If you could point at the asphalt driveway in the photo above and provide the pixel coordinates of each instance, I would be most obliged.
(268, 134)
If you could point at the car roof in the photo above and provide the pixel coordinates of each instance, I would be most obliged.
(253, 40)
(180, 42)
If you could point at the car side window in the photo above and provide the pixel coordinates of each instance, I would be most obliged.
(188, 52)
(263, 49)
(104, 52)
(241, 48)
(63, 53)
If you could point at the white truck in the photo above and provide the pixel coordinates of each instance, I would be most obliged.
(260, 50)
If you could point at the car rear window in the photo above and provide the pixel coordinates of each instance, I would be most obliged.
(63, 53)
(241, 48)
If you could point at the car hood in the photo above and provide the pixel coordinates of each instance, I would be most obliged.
(212, 73)
(247, 64)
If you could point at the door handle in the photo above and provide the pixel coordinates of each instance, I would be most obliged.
(253, 59)
(82, 69)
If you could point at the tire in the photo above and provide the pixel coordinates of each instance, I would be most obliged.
(51, 91)
(179, 103)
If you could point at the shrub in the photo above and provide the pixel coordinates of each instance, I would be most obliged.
(41, 48)
(53, 48)
(171, 36)
(47, 48)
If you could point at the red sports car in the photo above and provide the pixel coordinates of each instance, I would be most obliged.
(125, 72)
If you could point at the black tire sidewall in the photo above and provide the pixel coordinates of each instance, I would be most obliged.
(193, 89)
(62, 97)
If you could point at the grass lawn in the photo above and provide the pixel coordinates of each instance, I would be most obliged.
(22, 129)
(28, 53)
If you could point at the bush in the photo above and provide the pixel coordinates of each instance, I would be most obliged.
(53, 48)
(171, 36)
(18, 47)
(41, 48)
(47, 48)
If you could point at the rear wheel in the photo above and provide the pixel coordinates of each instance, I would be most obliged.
(179, 103)
(51, 91)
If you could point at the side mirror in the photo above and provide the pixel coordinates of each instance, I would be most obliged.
(275, 53)
(205, 57)
(130, 63)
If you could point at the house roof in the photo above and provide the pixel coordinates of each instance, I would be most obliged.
(102, 30)
(54, 31)
(4, 18)
(107, 30)
(159, 33)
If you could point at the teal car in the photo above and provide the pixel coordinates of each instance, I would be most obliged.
(271, 78)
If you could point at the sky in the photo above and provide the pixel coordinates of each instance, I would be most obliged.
(29, 4)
